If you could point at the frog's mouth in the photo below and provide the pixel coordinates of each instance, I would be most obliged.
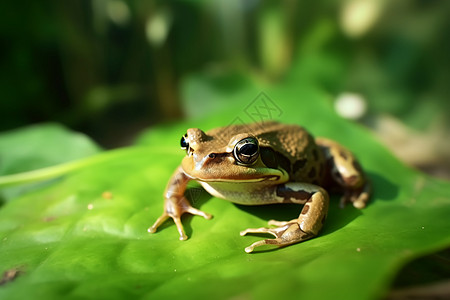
(234, 173)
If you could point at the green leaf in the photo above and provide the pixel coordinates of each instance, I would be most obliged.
(40, 146)
(85, 236)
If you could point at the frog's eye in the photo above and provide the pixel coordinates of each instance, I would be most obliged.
(246, 151)
(184, 143)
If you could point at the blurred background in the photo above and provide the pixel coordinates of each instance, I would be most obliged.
(110, 68)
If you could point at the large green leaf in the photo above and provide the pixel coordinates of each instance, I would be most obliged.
(85, 236)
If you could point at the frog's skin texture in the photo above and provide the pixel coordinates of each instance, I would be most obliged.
(266, 163)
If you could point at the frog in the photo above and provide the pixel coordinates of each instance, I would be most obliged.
(266, 163)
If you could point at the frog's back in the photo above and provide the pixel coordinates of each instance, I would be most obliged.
(288, 146)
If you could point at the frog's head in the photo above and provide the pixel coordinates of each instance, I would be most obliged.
(235, 159)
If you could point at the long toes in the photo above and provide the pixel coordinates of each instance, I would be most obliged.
(255, 230)
(180, 228)
(276, 232)
(198, 212)
(158, 223)
(289, 234)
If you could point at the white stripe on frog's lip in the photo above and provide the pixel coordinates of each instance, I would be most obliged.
(259, 179)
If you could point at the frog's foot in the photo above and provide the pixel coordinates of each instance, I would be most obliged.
(286, 234)
(174, 208)
(359, 197)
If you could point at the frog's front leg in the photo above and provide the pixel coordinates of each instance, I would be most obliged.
(308, 223)
(175, 204)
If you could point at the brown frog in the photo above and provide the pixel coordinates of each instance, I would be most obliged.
(266, 163)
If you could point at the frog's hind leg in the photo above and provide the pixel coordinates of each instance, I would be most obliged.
(306, 226)
(346, 173)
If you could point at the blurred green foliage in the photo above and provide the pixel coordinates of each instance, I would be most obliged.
(108, 67)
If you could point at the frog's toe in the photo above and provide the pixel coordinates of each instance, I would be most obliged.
(361, 201)
(252, 247)
(358, 198)
(285, 235)
(197, 212)
(158, 223)
(276, 232)
(260, 230)
(180, 228)
(177, 221)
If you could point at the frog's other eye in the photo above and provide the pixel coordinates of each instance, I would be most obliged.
(184, 143)
(246, 151)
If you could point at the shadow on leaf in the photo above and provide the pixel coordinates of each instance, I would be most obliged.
(382, 189)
